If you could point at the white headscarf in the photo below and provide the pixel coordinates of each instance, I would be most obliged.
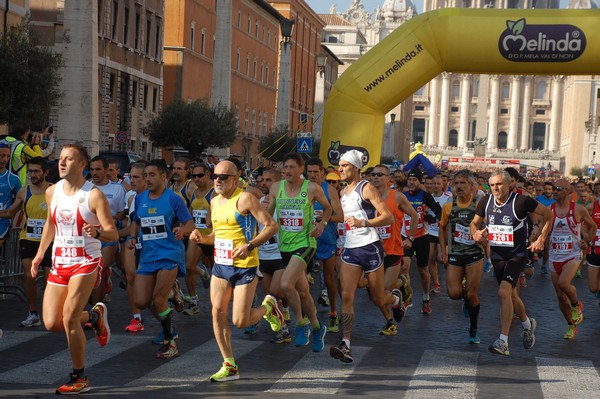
(353, 157)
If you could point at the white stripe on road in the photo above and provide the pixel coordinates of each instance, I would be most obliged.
(565, 378)
(57, 365)
(13, 338)
(196, 365)
(444, 374)
(318, 373)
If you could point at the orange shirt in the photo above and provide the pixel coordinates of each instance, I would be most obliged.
(390, 234)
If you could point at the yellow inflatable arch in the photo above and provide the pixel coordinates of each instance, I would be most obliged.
(482, 41)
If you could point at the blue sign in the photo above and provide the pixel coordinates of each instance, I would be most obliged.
(396, 164)
(304, 145)
(591, 171)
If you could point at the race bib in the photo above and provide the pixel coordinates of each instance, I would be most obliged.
(407, 222)
(462, 235)
(500, 236)
(385, 232)
(34, 228)
(69, 250)
(597, 240)
(291, 220)
(318, 215)
(224, 252)
(270, 244)
(153, 228)
(200, 218)
(561, 245)
(358, 215)
(341, 229)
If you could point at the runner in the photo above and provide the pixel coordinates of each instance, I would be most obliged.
(567, 240)
(293, 200)
(235, 214)
(9, 187)
(441, 197)
(364, 211)
(458, 249)
(160, 221)
(593, 257)
(32, 200)
(79, 219)
(504, 213)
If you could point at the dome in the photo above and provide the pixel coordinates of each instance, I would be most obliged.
(397, 10)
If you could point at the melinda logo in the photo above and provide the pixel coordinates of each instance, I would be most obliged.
(541, 43)
(336, 150)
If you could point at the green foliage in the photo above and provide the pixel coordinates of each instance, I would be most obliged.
(29, 77)
(576, 171)
(194, 126)
(281, 141)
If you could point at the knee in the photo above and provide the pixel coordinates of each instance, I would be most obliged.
(472, 296)
(240, 321)
(454, 293)
(505, 293)
(378, 300)
(564, 285)
(286, 287)
(53, 325)
(347, 296)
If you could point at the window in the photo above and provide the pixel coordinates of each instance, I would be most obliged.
(505, 90)
(248, 24)
(154, 99)
(541, 90)
(256, 29)
(126, 26)
(453, 138)
(239, 20)
(157, 34)
(269, 37)
(267, 75)
(455, 89)
(419, 108)
(502, 140)
(246, 116)
(136, 34)
(237, 118)
(237, 60)
(247, 65)
(111, 87)
(503, 111)
(193, 36)
(454, 109)
(100, 19)
(145, 99)
(262, 73)
(254, 122)
(254, 69)
(148, 30)
(115, 18)
(540, 112)
(203, 41)
(134, 94)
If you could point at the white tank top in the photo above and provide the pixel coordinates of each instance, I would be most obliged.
(565, 236)
(69, 212)
(355, 205)
(270, 249)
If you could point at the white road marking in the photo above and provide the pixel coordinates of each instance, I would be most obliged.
(13, 338)
(565, 378)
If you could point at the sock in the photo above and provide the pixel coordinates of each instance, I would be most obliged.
(195, 299)
(574, 305)
(166, 321)
(230, 360)
(137, 316)
(473, 316)
(425, 297)
(33, 312)
(347, 342)
(526, 324)
(93, 317)
(300, 323)
(79, 372)
(316, 326)
(390, 321)
(333, 314)
(504, 338)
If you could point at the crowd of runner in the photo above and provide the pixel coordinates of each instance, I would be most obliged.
(360, 229)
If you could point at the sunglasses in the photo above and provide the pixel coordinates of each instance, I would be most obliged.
(222, 177)
(198, 175)
(332, 181)
(379, 174)
(558, 188)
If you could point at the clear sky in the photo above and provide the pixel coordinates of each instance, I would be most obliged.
(322, 6)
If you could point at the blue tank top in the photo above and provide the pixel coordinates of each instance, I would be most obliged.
(329, 236)
(507, 234)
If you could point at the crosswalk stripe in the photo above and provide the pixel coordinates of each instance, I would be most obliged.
(196, 365)
(57, 365)
(318, 373)
(13, 338)
(566, 378)
(444, 374)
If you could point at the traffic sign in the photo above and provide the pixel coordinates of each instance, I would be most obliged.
(303, 134)
(304, 145)
(121, 137)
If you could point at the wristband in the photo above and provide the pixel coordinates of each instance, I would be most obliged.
(250, 246)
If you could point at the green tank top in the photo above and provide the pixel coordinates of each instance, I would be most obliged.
(460, 241)
(294, 216)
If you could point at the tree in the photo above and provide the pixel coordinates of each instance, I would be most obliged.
(276, 144)
(29, 77)
(194, 126)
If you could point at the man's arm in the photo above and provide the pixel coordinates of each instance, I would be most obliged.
(405, 206)
(99, 205)
(586, 219)
(384, 216)
(11, 211)
(47, 235)
(248, 203)
(546, 213)
(338, 214)
(316, 193)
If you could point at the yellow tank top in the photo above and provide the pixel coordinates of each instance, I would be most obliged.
(200, 209)
(36, 211)
(231, 230)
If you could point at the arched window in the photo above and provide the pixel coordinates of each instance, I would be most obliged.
(505, 90)
(456, 89)
(453, 138)
(538, 138)
(502, 140)
(541, 90)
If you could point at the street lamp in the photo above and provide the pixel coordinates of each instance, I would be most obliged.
(287, 27)
(321, 62)
(590, 128)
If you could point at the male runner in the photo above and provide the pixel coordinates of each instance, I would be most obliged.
(9, 187)
(441, 197)
(78, 219)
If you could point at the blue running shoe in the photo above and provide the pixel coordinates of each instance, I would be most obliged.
(160, 338)
(487, 266)
(302, 334)
(474, 337)
(205, 276)
(319, 338)
(465, 310)
(251, 329)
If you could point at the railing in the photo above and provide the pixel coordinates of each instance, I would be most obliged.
(10, 266)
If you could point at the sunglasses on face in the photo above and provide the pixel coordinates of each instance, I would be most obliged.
(379, 174)
(332, 181)
(222, 177)
(198, 175)
(558, 188)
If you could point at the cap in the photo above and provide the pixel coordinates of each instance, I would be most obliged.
(332, 176)
(416, 173)
(353, 157)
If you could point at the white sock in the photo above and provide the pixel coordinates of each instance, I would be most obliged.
(504, 338)
(526, 324)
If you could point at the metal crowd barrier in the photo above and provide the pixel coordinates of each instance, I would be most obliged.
(11, 270)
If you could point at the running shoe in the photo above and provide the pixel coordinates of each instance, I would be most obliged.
(282, 337)
(135, 325)
(168, 350)
(571, 332)
(302, 335)
(426, 308)
(160, 338)
(499, 347)
(204, 275)
(578, 274)
(191, 309)
(398, 310)
(522, 280)
(465, 310)
(176, 297)
(251, 329)
(318, 342)
(33, 320)
(544, 269)
(341, 352)
(529, 335)
(227, 372)
(436, 289)
(101, 327)
(390, 328)
(333, 324)
(286, 314)
(487, 266)
(273, 315)
(323, 299)
(310, 278)
(75, 385)
(474, 337)
(577, 313)
(406, 291)
(108, 283)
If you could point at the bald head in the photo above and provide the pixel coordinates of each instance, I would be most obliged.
(226, 168)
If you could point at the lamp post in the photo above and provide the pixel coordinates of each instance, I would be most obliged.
(590, 128)
(285, 64)
(321, 63)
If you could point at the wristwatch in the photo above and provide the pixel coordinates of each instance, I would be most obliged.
(411, 238)
(250, 247)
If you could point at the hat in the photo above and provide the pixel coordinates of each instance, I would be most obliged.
(353, 157)
(416, 173)
(332, 176)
